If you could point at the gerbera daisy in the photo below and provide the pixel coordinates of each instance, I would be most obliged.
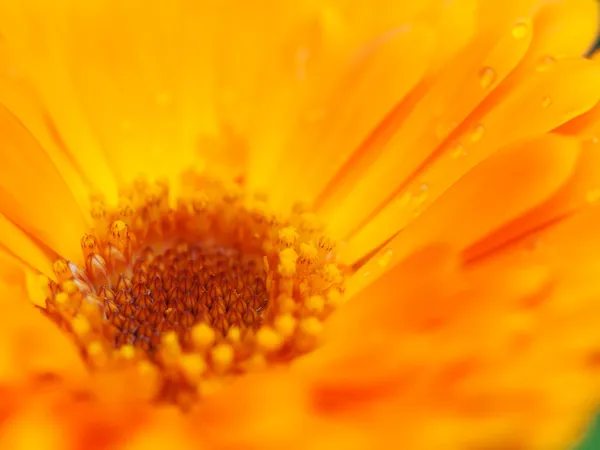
(281, 224)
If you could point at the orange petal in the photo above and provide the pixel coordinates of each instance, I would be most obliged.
(34, 196)
(268, 411)
(30, 427)
(19, 98)
(476, 140)
(376, 83)
(483, 353)
(582, 188)
(566, 28)
(142, 98)
(20, 246)
(562, 28)
(24, 27)
(460, 87)
(292, 105)
(381, 76)
(497, 191)
(30, 344)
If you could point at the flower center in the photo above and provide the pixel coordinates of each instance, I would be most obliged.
(194, 291)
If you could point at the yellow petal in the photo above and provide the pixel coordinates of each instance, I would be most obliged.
(497, 191)
(30, 344)
(478, 138)
(21, 247)
(33, 195)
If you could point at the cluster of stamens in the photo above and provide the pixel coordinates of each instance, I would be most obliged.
(195, 291)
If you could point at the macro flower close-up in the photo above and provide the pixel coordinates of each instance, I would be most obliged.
(276, 224)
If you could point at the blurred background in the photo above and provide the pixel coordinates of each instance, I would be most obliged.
(592, 440)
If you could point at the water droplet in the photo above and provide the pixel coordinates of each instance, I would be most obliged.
(477, 133)
(520, 30)
(546, 101)
(487, 76)
(546, 63)
(418, 211)
(421, 194)
(403, 201)
(458, 150)
(385, 259)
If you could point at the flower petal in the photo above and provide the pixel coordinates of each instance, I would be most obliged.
(33, 195)
(484, 354)
(18, 97)
(582, 188)
(20, 246)
(31, 345)
(500, 189)
(381, 78)
(474, 140)
(268, 411)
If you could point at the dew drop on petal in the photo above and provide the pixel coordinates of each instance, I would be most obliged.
(403, 201)
(546, 63)
(385, 259)
(546, 101)
(520, 30)
(458, 150)
(487, 77)
(421, 193)
(477, 133)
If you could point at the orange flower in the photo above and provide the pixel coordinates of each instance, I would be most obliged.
(355, 227)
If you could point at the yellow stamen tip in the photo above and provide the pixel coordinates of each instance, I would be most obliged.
(127, 352)
(288, 236)
(203, 336)
(80, 325)
(308, 252)
(332, 273)
(170, 342)
(69, 287)
(96, 354)
(119, 231)
(234, 335)
(268, 339)
(315, 304)
(285, 325)
(61, 270)
(222, 356)
(311, 326)
(89, 242)
(287, 262)
(193, 367)
(62, 299)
